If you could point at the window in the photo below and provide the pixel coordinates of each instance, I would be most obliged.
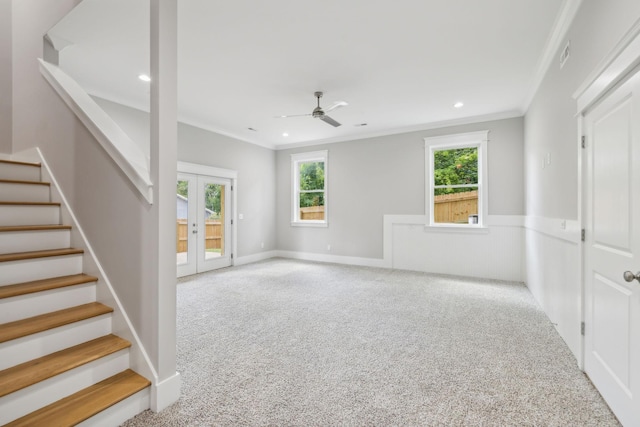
(309, 175)
(456, 180)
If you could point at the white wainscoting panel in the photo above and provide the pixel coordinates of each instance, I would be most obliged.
(553, 275)
(494, 252)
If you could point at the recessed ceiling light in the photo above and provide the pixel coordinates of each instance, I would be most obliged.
(144, 78)
(458, 105)
(285, 134)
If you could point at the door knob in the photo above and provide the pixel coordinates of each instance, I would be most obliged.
(630, 277)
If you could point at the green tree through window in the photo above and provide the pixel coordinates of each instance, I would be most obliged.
(455, 167)
(311, 184)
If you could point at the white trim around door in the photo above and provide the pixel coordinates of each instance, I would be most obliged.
(609, 179)
(222, 175)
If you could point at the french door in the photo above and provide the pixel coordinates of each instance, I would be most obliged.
(203, 229)
(612, 249)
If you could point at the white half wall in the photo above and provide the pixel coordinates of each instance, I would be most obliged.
(494, 252)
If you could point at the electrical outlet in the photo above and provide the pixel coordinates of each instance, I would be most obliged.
(563, 224)
(328, 247)
(240, 216)
(262, 245)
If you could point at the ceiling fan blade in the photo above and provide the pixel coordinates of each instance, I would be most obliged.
(336, 105)
(329, 120)
(293, 115)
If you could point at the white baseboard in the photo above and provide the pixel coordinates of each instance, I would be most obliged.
(260, 256)
(165, 392)
(308, 256)
(336, 259)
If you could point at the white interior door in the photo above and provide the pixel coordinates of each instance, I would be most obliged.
(612, 247)
(203, 233)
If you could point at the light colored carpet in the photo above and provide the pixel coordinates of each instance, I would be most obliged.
(290, 343)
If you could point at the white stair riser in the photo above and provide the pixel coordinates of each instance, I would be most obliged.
(26, 241)
(29, 215)
(27, 400)
(42, 268)
(19, 172)
(11, 192)
(29, 305)
(34, 346)
(120, 412)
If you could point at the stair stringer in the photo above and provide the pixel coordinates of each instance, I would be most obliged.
(162, 393)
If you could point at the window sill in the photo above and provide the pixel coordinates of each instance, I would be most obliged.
(309, 224)
(453, 228)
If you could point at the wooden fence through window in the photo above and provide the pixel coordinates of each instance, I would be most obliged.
(448, 208)
(312, 212)
(213, 235)
(455, 208)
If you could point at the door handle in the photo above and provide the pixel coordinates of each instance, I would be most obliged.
(195, 231)
(630, 277)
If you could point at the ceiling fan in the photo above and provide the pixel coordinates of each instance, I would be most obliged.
(319, 113)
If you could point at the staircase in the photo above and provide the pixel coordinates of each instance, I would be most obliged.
(59, 362)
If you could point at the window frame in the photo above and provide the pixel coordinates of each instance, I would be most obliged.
(296, 160)
(449, 142)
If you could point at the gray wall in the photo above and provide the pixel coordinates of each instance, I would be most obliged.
(133, 122)
(367, 179)
(550, 125)
(373, 177)
(255, 166)
(6, 90)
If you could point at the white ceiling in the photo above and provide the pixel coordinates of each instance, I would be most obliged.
(400, 65)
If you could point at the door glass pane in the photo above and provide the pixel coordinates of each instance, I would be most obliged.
(214, 220)
(182, 227)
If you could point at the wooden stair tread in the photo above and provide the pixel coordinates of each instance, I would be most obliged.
(13, 181)
(44, 285)
(86, 403)
(18, 256)
(33, 325)
(10, 228)
(7, 203)
(15, 162)
(31, 372)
